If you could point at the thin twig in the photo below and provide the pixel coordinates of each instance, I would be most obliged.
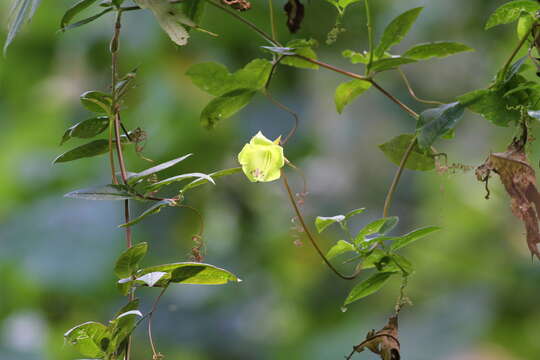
(310, 235)
(288, 110)
(413, 94)
(150, 316)
(397, 177)
(515, 51)
(369, 26)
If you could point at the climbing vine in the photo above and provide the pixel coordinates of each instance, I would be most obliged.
(374, 252)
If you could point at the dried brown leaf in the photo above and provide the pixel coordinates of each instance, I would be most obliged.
(384, 342)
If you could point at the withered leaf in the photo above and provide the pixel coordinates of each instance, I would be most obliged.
(240, 5)
(384, 342)
(295, 14)
(519, 180)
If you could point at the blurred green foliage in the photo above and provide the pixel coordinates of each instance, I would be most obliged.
(475, 288)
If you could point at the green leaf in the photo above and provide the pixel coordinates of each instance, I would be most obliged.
(367, 287)
(390, 63)
(396, 30)
(434, 123)
(340, 248)
(379, 226)
(356, 57)
(511, 11)
(435, 49)
(154, 209)
(524, 25)
(389, 225)
(216, 80)
(20, 13)
(89, 339)
(128, 262)
(74, 10)
(87, 128)
(136, 177)
(151, 279)
(494, 106)
(404, 265)
(413, 236)
(97, 102)
(304, 48)
(373, 258)
(120, 329)
(93, 148)
(418, 160)
(187, 273)
(354, 212)
(87, 20)
(106, 192)
(194, 9)
(225, 106)
(160, 184)
(214, 175)
(322, 222)
(349, 90)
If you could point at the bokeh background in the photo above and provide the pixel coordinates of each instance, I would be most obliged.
(475, 291)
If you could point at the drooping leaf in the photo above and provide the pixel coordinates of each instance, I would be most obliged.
(73, 11)
(435, 49)
(348, 91)
(367, 287)
(97, 102)
(340, 248)
(136, 177)
(89, 339)
(434, 123)
(322, 222)
(396, 30)
(128, 262)
(214, 175)
(106, 192)
(160, 184)
(93, 148)
(216, 80)
(20, 13)
(511, 11)
(418, 160)
(225, 106)
(154, 209)
(303, 47)
(413, 236)
(87, 128)
(390, 63)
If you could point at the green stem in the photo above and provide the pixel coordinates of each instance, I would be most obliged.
(397, 177)
(370, 36)
(514, 53)
(272, 19)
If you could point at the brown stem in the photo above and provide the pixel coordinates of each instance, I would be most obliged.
(397, 177)
(412, 93)
(310, 235)
(150, 316)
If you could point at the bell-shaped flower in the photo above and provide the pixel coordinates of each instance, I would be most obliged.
(262, 159)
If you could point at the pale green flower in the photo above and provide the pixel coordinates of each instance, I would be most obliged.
(262, 159)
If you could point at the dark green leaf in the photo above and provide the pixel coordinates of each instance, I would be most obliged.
(340, 248)
(511, 11)
(390, 63)
(194, 9)
(87, 20)
(434, 123)
(106, 192)
(404, 265)
(136, 177)
(349, 90)
(418, 160)
(87, 128)
(225, 106)
(128, 262)
(396, 30)
(367, 287)
(354, 212)
(322, 222)
(88, 338)
(214, 175)
(94, 148)
(379, 226)
(413, 236)
(74, 10)
(435, 49)
(154, 209)
(97, 102)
